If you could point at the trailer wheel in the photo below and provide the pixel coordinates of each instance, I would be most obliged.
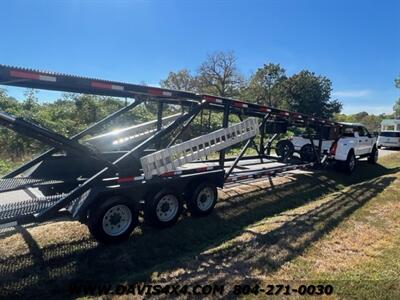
(373, 157)
(202, 201)
(284, 149)
(113, 219)
(163, 209)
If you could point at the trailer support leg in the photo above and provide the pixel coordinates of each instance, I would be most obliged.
(225, 123)
(254, 143)
(238, 158)
(262, 135)
(269, 143)
(186, 125)
(316, 153)
(160, 107)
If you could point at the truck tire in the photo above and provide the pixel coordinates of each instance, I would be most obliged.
(202, 200)
(113, 220)
(284, 150)
(373, 156)
(350, 164)
(163, 209)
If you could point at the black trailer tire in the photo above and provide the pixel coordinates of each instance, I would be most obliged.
(163, 209)
(351, 162)
(202, 200)
(284, 149)
(113, 220)
(373, 156)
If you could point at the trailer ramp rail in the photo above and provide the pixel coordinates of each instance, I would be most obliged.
(170, 159)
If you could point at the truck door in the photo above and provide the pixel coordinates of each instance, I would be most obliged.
(358, 143)
(363, 141)
(369, 141)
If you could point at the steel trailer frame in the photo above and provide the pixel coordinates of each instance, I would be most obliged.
(111, 176)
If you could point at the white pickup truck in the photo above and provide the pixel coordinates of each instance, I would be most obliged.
(353, 143)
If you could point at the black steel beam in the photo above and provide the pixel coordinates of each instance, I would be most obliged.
(186, 125)
(238, 157)
(225, 123)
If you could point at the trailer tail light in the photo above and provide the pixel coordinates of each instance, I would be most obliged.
(333, 148)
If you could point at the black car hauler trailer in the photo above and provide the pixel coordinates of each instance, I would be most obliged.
(106, 181)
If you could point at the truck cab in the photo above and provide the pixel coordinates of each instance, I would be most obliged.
(354, 142)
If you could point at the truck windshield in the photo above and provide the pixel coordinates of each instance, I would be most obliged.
(390, 134)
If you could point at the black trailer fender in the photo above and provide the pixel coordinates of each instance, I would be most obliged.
(79, 208)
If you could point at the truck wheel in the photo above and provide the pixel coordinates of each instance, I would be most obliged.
(373, 156)
(163, 209)
(203, 199)
(350, 163)
(307, 154)
(284, 150)
(113, 219)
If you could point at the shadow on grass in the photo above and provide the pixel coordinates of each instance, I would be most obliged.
(48, 271)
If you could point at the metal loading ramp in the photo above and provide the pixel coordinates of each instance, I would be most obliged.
(170, 159)
(21, 197)
(12, 211)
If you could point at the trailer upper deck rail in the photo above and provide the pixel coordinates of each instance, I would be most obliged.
(21, 77)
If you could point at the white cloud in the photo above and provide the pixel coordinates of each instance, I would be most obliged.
(352, 93)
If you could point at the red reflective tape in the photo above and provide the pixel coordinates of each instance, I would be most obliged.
(159, 92)
(35, 76)
(212, 99)
(240, 104)
(167, 174)
(25, 75)
(101, 85)
(125, 179)
(209, 98)
(201, 169)
(264, 109)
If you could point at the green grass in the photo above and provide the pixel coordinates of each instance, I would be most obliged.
(257, 234)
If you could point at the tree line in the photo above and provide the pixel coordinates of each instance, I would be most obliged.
(304, 92)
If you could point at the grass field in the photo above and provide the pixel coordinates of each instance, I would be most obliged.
(324, 227)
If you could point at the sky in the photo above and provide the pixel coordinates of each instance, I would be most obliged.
(354, 43)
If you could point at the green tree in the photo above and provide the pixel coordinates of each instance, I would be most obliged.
(396, 106)
(219, 75)
(181, 80)
(310, 94)
(264, 85)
